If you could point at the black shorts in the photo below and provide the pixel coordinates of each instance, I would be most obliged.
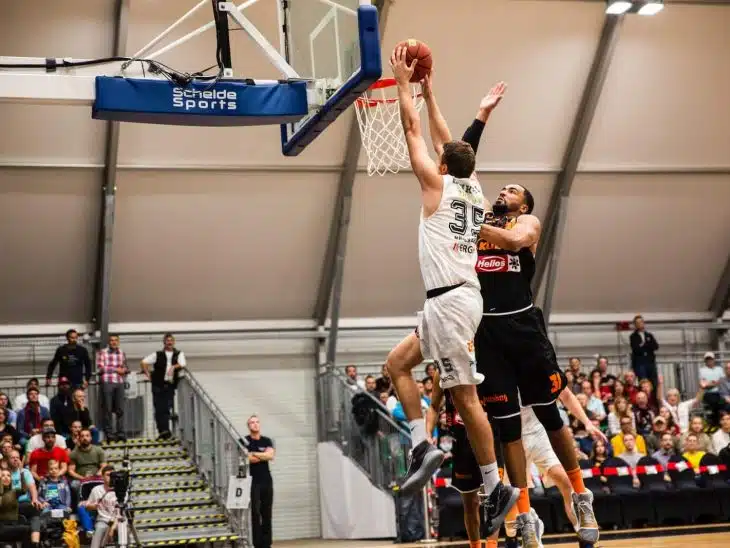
(465, 475)
(518, 362)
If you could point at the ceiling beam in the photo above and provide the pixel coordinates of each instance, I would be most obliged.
(555, 220)
(721, 297)
(102, 293)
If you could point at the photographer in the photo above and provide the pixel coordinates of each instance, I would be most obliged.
(103, 501)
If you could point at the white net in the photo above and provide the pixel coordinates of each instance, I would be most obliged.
(378, 115)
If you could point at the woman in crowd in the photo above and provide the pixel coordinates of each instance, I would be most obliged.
(672, 427)
(7, 428)
(5, 404)
(11, 530)
(621, 409)
(619, 389)
(647, 387)
(599, 454)
(697, 427)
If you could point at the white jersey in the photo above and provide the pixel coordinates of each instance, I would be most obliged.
(447, 240)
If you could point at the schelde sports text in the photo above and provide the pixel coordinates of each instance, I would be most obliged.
(190, 99)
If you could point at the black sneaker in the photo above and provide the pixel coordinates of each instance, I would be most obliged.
(511, 542)
(424, 460)
(497, 504)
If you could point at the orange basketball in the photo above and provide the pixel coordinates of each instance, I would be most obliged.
(418, 50)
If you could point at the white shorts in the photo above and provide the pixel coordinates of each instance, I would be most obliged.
(446, 330)
(539, 452)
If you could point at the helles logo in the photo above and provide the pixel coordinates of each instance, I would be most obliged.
(215, 99)
(492, 264)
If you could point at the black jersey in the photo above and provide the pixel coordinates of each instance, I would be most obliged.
(505, 276)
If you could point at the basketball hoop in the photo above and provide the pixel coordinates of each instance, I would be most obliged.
(378, 115)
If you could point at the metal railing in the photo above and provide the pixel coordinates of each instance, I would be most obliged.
(214, 444)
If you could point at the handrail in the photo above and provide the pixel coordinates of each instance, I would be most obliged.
(382, 410)
(216, 411)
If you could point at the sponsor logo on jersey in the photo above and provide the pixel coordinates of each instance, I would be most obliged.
(463, 247)
(498, 263)
(488, 246)
(494, 398)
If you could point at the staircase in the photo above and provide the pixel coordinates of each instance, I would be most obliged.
(172, 502)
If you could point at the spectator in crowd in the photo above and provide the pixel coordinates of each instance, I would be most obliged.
(605, 381)
(605, 393)
(11, 530)
(574, 366)
(599, 454)
(580, 432)
(692, 451)
(643, 415)
(260, 452)
(630, 387)
(60, 404)
(617, 441)
(621, 409)
(680, 409)
(643, 349)
(428, 388)
(6, 448)
(73, 362)
(384, 396)
(72, 440)
(710, 378)
(594, 405)
(579, 454)
(11, 417)
(630, 454)
(721, 438)
(31, 417)
(724, 386)
(7, 428)
(111, 363)
(79, 412)
(619, 390)
(570, 383)
(370, 384)
(53, 490)
(383, 383)
(28, 503)
(21, 400)
(36, 441)
(666, 449)
(86, 460)
(166, 367)
(697, 427)
(672, 427)
(39, 458)
(653, 439)
(352, 378)
(647, 388)
(430, 370)
(103, 501)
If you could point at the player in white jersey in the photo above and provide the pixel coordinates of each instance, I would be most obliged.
(451, 216)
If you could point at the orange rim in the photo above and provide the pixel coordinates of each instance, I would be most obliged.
(384, 83)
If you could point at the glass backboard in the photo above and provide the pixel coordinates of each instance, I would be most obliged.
(335, 45)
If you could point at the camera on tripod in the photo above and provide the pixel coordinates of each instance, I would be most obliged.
(120, 483)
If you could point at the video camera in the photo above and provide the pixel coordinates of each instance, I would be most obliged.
(120, 483)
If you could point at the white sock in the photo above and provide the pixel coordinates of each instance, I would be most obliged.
(490, 476)
(418, 430)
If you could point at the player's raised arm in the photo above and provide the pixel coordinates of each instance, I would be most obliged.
(473, 133)
(423, 166)
(437, 125)
(525, 233)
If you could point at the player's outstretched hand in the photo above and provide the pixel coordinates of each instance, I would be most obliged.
(492, 99)
(426, 87)
(401, 70)
(596, 433)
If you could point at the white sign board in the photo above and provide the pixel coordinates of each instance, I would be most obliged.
(239, 493)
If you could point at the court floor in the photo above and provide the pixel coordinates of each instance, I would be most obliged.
(670, 540)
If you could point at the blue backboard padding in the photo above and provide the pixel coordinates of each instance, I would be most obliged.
(225, 103)
(370, 70)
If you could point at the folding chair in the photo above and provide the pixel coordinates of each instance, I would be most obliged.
(665, 499)
(636, 506)
(712, 473)
(606, 506)
(694, 499)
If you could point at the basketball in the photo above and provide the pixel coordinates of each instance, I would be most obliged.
(418, 50)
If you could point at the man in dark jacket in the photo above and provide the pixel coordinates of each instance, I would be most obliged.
(643, 347)
(166, 367)
(60, 403)
(74, 362)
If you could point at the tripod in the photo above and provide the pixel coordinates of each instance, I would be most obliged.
(122, 485)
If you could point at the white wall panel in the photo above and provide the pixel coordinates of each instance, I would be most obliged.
(543, 50)
(194, 246)
(665, 101)
(48, 238)
(143, 144)
(644, 243)
(284, 399)
(382, 276)
(66, 28)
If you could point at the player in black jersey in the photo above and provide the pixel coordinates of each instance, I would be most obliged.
(513, 350)
(465, 474)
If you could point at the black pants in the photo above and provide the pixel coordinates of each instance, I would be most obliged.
(162, 399)
(262, 499)
(13, 531)
(716, 403)
(31, 514)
